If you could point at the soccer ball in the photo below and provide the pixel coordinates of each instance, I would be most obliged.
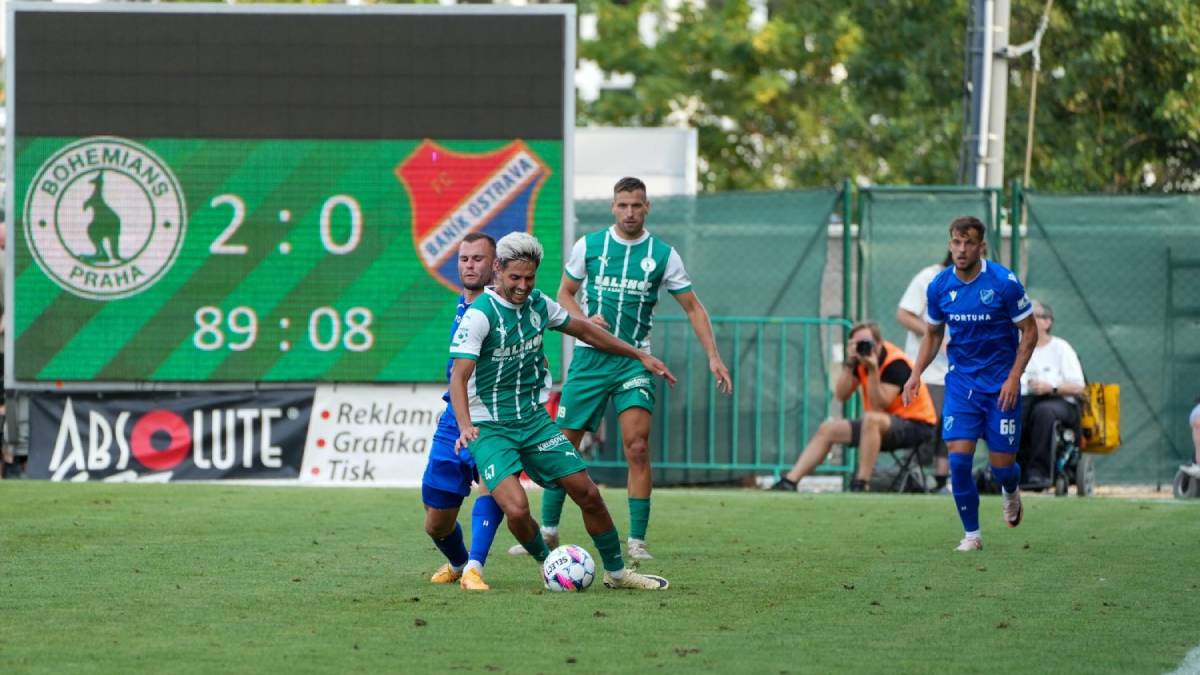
(569, 568)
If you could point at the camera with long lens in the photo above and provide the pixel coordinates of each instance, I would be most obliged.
(864, 348)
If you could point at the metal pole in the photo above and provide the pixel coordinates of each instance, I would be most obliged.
(983, 100)
(846, 249)
(998, 96)
(1015, 216)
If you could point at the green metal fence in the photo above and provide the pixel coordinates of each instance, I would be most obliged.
(780, 368)
(758, 263)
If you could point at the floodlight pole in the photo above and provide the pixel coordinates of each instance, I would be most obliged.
(987, 88)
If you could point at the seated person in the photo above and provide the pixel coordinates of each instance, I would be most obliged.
(1052, 380)
(1193, 469)
(879, 369)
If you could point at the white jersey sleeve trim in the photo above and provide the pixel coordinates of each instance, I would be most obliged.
(1021, 317)
(676, 278)
(576, 267)
(556, 316)
(468, 339)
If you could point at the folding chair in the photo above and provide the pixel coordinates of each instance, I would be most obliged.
(906, 460)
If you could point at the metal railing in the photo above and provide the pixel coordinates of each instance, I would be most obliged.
(780, 367)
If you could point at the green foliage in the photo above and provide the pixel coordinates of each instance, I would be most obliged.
(217, 578)
(1117, 96)
(874, 90)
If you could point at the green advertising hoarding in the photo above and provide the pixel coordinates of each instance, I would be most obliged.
(289, 218)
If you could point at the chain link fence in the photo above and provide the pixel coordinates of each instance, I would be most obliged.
(1121, 272)
(905, 229)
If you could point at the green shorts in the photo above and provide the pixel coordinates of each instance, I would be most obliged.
(534, 445)
(593, 378)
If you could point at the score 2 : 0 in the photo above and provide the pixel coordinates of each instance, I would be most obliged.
(221, 245)
(352, 329)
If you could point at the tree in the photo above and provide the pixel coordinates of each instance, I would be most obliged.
(874, 91)
(1117, 98)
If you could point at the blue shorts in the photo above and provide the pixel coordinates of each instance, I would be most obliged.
(968, 415)
(448, 475)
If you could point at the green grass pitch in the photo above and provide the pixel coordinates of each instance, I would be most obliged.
(238, 579)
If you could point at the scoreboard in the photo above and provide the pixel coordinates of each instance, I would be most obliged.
(213, 193)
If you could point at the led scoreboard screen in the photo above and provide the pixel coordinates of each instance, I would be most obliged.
(244, 194)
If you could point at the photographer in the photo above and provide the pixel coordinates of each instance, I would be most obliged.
(879, 370)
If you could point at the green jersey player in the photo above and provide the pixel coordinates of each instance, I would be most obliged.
(618, 273)
(495, 389)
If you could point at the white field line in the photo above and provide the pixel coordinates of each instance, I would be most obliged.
(1190, 665)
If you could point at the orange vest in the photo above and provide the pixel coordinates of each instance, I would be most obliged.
(919, 410)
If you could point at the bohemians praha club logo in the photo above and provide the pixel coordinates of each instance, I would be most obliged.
(453, 194)
(105, 218)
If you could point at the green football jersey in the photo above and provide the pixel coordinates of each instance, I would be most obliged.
(505, 341)
(620, 280)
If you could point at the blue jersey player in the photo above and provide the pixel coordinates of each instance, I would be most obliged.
(448, 476)
(992, 337)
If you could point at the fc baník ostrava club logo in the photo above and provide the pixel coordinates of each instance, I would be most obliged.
(454, 193)
(105, 218)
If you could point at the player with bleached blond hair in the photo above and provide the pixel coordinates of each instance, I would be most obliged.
(617, 274)
(496, 390)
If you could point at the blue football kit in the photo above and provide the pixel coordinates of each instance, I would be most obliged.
(980, 317)
(447, 482)
(449, 474)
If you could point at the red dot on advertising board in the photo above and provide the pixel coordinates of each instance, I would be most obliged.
(316, 471)
(320, 442)
(324, 414)
(167, 422)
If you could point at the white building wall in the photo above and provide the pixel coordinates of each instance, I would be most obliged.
(664, 158)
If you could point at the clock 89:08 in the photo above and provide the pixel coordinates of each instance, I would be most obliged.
(326, 329)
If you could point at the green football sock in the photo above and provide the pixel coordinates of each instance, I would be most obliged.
(639, 517)
(537, 547)
(609, 546)
(552, 505)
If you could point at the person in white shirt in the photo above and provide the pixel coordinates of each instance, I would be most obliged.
(1193, 469)
(911, 314)
(1049, 387)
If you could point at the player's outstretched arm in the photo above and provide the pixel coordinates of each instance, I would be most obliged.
(605, 341)
(931, 342)
(460, 375)
(702, 325)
